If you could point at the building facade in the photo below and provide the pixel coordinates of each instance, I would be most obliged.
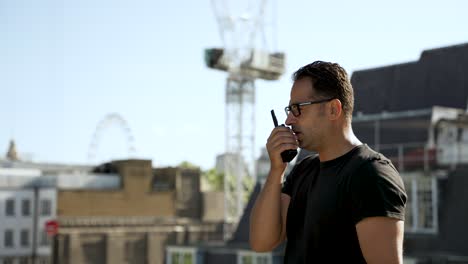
(133, 221)
(118, 212)
(27, 202)
(416, 114)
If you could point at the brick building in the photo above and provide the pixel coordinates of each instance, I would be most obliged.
(133, 222)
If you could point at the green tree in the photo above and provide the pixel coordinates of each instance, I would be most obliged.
(187, 165)
(214, 179)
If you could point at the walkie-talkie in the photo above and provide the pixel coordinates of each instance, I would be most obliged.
(289, 154)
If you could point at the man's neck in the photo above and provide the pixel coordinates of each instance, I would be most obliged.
(338, 145)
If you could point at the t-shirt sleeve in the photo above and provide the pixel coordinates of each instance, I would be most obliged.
(377, 189)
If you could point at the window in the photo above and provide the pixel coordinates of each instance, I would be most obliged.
(177, 255)
(250, 257)
(24, 238)
(26, 207)
(23, 260)
(10, 207)
(7, 261)
(135, 248)
(45, 207)
(163, 182)
(43, 261)
(182, 258)
(8, 238)
(246, 259)
(421, 207)
(407, 260)
(44, 239)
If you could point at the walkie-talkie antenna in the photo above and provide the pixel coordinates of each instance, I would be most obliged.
(275, 121)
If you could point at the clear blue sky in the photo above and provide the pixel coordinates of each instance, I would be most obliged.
(65, 65)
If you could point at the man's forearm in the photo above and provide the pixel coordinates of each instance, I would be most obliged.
(266, 218)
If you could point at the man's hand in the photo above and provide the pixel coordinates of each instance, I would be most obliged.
(281, 139)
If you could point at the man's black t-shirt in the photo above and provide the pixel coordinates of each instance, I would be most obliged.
(329, 198)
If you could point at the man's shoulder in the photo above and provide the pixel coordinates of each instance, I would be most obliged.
(366, 162)
(376, 158)
(375, 166)
(370, 157)
(365, 152)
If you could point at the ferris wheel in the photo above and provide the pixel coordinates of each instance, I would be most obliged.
(111, 120)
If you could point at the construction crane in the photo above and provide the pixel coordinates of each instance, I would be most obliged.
(245, 56)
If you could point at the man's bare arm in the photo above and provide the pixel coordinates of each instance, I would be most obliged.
(268, 218)
(381, 240)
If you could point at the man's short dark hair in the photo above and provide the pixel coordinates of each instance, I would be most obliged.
(330, 80)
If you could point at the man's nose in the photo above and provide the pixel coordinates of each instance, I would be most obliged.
(290, 119)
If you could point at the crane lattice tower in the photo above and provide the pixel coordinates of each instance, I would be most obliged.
(246, 57)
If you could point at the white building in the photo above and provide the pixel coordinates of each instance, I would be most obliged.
(27, 202)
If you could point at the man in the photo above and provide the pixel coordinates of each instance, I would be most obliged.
(344, 205)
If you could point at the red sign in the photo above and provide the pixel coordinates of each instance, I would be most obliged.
(51, 227)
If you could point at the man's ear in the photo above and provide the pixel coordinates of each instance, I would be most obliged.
(336, 109)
